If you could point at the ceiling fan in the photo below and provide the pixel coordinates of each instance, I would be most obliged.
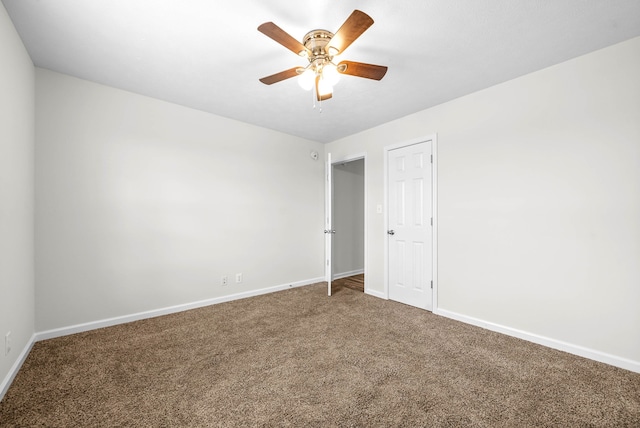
(320, 47)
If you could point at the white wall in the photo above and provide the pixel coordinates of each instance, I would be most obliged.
(143, 204)
(539, 201)
(347, 254)
(16, 196)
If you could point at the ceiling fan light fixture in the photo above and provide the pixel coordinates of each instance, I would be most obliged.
(306, 80)
(320, 48)
(330, 74)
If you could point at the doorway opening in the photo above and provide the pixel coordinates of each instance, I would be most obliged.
(348, 222)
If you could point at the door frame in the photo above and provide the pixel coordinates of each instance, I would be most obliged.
(345, 159)
(434, 207)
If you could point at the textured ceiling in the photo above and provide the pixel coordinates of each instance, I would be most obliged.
(208, 55)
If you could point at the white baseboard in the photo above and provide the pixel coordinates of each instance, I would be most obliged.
(6, 382)
(580, 351)
(374, 293)
(78, 328)
(346, 274)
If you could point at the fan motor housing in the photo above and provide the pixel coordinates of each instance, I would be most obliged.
(316, 40)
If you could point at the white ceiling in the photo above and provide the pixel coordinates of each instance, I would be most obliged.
(208, 55)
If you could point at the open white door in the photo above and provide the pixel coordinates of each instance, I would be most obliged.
(328, 231)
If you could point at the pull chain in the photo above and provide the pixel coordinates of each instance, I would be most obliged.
(315, 96)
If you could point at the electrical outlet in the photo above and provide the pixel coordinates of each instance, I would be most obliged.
(238, 278)
(224, 280)
(7, 343)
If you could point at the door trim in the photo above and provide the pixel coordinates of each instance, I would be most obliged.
(328, 220)
(434, 204)
(350, 158)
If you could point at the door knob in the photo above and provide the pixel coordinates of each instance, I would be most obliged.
(391, 232)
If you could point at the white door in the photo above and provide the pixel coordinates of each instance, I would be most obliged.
(328, 232)
(409, 229)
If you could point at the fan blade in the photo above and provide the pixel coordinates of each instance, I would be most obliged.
(323, 96)
(283, 75)
(271, 30)
(356, 24)
(360, 69)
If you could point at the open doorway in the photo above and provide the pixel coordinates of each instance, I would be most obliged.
(348, 220)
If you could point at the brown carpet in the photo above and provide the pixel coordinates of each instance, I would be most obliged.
(300, 358)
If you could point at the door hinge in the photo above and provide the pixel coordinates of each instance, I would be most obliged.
(431, 221)
(431, 158)
(432, 285)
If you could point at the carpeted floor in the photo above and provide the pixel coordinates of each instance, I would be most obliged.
(299, 358)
